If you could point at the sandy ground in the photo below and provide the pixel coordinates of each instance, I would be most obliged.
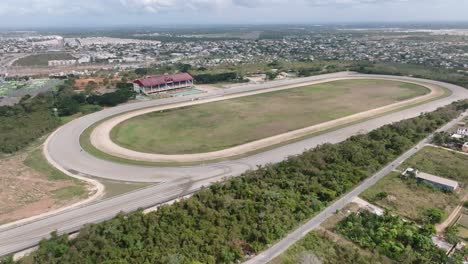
(100, 137)
(25, 192)
(207, 88)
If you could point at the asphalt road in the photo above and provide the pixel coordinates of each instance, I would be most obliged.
(64, 149)
(282, 245)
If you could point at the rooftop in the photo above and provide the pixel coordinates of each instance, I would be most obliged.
(437, 179)
(163, 79)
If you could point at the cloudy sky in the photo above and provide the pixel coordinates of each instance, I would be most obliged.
(37, 13)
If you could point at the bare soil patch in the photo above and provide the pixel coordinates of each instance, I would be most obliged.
(25, 192)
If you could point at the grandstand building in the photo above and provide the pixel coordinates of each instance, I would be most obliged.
(161, 83)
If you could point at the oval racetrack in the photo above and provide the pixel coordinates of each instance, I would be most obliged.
(63, 150)
(101, 139)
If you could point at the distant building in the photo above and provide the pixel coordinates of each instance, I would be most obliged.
(84, 59)
(436, 181)
(61, 62)
(161, 83)
(462, 131)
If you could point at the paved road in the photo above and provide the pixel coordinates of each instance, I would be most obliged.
(282, 245)
(64, 150)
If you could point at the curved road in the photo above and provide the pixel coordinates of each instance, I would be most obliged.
(64, 151)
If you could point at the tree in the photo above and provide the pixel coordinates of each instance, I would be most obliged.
(67, 106)
(433, 215)
(381, 195)
(183, 67)
(271, 75)
(141, 71)
(91, 86)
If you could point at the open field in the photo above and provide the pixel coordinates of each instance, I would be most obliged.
(219, 125)
(20, 88)
(440, 162)
(329, 250)
(42, 59)
(29, 186)
(463, 233)
(409, 198)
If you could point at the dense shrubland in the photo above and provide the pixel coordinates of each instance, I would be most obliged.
(34, 117)
(392, 236)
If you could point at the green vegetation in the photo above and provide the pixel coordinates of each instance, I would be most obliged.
(226, 221)
(69, 192)
(34, 117)
(26, 121)
(68, 102)
(327, 251)
(462, 226)
(434, 216)
(115, 188)
(223, 124)
(440, 162)
(419, 71)
(393, 237)
(42, 59)
(38, 162)
(451, 234)
(408, 198)
(218, 77)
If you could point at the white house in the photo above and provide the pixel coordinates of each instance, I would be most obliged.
(462, 131)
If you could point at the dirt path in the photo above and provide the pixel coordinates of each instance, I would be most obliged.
(100, 137)
(442, 226)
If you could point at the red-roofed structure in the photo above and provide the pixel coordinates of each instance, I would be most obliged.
(160, 83)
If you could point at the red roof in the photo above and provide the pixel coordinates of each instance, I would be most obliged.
(155, 80)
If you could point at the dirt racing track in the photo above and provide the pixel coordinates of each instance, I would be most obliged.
(100, 137)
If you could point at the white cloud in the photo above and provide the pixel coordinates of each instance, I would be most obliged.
(353, 2)
(53, 7)
(164, 5)
(23, 7)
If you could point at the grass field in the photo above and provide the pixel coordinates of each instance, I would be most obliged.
(42, 59)
(409, 198)
(37, 161)
(219, 125)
